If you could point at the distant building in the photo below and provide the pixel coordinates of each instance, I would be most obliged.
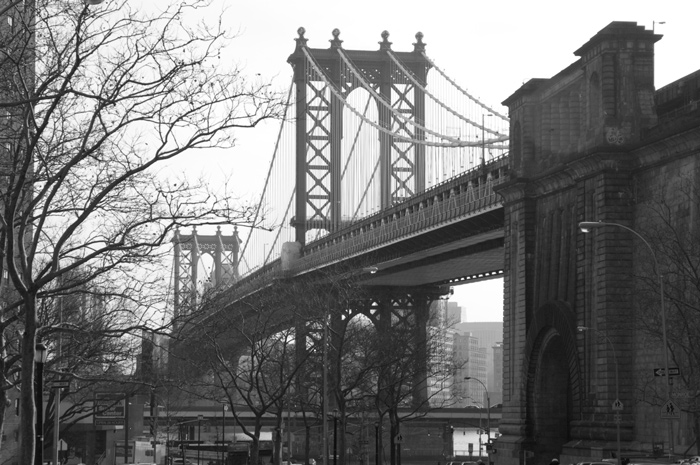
(441, 355)
(488, 334)
(454, 313)
(473, 358)
(476, 351)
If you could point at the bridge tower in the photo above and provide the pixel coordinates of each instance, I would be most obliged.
(188, 250)
(579, 146)
(321, 87)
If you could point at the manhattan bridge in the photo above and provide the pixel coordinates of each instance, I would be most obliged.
(387, 171)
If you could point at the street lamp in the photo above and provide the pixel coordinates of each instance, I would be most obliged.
(224, 409)
(335, 436)
(376, 443)
(481, 407)
(617, 383)
(199, 435)
(488, 409)
(289, 433)
(40, 357)
(585, 227)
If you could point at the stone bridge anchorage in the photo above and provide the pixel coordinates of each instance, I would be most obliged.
(596, 142)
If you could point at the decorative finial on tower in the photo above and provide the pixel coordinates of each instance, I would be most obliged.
(301, 40)
(419, 46)
(385, 44)
(336, 42)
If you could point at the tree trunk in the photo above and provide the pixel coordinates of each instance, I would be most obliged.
(696, 430)
(3, 392)
(278, 456)
(27, 407)
(255, 446)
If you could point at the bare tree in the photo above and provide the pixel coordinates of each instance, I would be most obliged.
(96, 101)
(669, 221)
(245, 357)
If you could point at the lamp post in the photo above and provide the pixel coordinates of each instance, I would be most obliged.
(335, 436)
(182, 443)
(481, 406)
(199, 434)
(488, 409)
(376, 443)
(324, 405)
(40, 356)
(289, 433)
(224, 409)
(585, 227)
(617, 383)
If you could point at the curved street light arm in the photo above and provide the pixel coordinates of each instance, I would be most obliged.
(585, 227)
(488, 408)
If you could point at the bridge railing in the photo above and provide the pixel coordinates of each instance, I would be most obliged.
(449, 201)
(466, 195)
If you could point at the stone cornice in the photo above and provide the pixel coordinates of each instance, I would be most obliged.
(567, 175)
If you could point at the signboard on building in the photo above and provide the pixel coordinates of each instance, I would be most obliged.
(109, 408)
(119, 451)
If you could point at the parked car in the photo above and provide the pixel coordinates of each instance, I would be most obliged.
(180, 461)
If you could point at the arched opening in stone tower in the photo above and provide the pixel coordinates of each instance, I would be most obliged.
(552, 399)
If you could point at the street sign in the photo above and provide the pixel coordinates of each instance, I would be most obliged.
(672, 371)
(59, 384)
(617, 405)
(670, 411)
(109, 421)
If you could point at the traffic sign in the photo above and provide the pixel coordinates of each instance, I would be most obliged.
(670, 410)
(672, 371)
(618, 418)
(617, 405)
(398, 439)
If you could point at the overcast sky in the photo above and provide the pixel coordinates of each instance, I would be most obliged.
(489, 47)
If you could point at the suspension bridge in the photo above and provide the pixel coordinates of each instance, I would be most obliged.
(411, 183)
(380, 152)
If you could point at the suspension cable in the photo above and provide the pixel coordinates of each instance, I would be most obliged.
(386, 105)
(482, 105)
(415, 82)
(272, 162)
(453, 143)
